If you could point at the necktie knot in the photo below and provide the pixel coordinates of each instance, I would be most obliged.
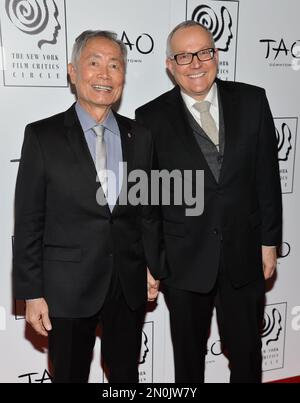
(203, 106)
(99, 131)
(207, 122)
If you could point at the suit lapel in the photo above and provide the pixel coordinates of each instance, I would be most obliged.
(78, 144)
(128, 147)
(230, 107)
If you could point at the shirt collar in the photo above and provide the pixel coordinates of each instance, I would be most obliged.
(87, 122)
(212, 97)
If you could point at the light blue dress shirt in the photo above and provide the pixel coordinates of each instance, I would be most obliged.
(112, 138)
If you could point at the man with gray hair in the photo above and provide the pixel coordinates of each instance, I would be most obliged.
(223, 256)
(78, 262)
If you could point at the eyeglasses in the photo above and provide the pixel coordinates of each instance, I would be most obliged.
(187, 58)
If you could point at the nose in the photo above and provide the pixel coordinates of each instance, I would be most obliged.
(196, 63)
(103, 71)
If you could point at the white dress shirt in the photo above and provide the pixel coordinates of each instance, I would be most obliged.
(212, 97)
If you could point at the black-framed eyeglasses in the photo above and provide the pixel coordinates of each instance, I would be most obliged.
(203, 55)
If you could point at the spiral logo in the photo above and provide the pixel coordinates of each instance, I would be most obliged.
(34, 17)
(28, 15)
(219, 25)
(272, 326)
(284, 137)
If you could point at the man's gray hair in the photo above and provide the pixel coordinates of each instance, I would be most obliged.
(186, 24)
(85, 36)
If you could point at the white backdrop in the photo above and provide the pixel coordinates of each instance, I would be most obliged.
(260, 44)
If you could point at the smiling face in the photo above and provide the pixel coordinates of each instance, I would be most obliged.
(197, 78)
(98, 76)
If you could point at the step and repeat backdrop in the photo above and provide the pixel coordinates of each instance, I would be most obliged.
(259, 42)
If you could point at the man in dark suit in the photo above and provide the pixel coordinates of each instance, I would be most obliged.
(80, 256)
(223, 256)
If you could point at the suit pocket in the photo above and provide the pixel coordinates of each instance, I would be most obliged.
(62, 254)
(174, 228)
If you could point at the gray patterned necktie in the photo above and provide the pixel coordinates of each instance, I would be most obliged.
(207, 122)
(101, 157)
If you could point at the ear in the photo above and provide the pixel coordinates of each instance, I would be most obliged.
(72, 73)
(170, 66)
(216, 56)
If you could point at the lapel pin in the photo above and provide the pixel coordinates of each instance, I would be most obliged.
(129, 135)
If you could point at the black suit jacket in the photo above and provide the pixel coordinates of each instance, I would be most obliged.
(66, 245)
(242, 211)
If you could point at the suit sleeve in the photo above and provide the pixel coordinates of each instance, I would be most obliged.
(152, 228)
(30, 199)
(268, 179)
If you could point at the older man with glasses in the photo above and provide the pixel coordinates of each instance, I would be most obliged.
(222, 257)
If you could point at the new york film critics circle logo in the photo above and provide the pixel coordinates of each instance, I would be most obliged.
(146, 354)
(35, 18)
(34, 43)
(284, 138)
(219, 25)
(286, 132)
(273, 336)
(144, 348)
(220, 18)
(272, 326)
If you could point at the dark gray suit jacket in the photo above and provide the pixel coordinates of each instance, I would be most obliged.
(66, 245)
(242, 209)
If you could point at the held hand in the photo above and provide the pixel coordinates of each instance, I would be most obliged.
(153, 286)
(269, 257)
(37, 316)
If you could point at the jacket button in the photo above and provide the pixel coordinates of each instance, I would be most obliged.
(216, 231)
